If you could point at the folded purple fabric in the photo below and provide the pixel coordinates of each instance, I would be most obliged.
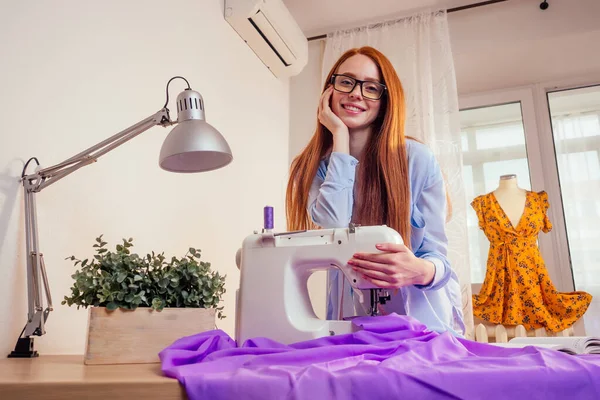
(393, 356)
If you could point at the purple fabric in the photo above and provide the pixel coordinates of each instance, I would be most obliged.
(392, 357)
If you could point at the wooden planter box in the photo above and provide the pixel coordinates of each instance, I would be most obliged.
(136, 337)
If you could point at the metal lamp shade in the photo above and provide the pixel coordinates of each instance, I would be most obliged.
(194, 146)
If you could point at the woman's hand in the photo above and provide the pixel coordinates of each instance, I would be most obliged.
(328, 118)
(396, 267)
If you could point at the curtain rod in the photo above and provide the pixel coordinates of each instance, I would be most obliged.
(450, 10)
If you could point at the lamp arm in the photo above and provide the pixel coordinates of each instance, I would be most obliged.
(45, 177)
(36, 182)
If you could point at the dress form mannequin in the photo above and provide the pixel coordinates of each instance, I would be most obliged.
(511, 198)
(517, 289)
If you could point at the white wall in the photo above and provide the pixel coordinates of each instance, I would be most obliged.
(305, 91)
(515, 43)
(74, 73)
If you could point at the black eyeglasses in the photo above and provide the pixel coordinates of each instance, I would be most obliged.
(369, 89)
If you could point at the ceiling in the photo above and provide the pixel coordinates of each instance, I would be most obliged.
(317, 17)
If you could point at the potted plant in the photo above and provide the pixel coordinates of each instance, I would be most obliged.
(140, 305)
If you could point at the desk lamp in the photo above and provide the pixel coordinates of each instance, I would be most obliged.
(192, 146)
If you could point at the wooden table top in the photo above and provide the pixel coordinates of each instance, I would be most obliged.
(64, 376)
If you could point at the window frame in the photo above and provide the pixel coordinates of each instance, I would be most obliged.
(554, 246)
(547, 148)
(543, 166)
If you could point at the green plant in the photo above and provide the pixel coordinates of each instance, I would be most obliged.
(122, 279)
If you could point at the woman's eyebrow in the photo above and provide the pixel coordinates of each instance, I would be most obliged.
(371, 79)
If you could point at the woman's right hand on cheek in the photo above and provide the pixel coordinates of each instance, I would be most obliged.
(328, 118)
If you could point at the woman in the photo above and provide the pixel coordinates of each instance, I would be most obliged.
(359, 167)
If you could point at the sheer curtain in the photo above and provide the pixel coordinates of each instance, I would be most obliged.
(577, 143)
(419, 48)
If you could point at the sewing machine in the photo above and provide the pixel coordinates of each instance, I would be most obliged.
(273, 300)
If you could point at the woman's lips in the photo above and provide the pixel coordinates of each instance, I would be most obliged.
(352, 109)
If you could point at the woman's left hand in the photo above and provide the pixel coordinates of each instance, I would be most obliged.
(394, 268)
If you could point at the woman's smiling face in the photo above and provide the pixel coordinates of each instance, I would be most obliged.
(353, 108)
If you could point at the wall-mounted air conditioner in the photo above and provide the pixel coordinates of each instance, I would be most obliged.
(271, 32)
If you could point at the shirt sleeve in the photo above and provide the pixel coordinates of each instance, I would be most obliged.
(331, 196)
(431, 208)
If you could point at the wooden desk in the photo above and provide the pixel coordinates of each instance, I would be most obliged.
(65, 377)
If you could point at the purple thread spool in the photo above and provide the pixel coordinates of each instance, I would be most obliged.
(268, 218)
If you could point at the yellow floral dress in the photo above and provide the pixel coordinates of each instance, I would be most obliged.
(517, 289)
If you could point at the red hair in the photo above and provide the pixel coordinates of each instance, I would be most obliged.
(383, 189)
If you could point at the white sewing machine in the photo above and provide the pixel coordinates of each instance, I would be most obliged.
(273, 299)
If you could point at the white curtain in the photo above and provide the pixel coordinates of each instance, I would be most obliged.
(577, 144)
(419, 48)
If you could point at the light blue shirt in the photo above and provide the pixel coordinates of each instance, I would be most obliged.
(331, 205)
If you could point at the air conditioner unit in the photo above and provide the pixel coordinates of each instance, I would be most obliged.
(271, 32)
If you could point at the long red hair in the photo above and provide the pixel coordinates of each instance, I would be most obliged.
(383, 189)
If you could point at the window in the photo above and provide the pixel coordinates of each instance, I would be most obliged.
(499, 136)
(575, 117)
